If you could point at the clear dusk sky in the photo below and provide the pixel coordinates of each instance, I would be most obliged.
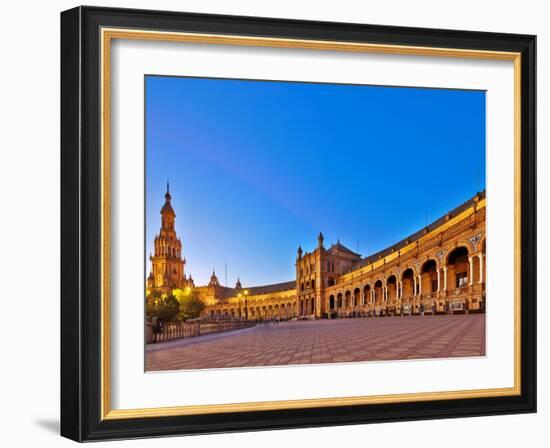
(257, 168)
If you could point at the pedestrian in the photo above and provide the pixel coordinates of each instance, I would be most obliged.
(157, 329)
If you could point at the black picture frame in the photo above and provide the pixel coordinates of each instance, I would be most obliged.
(81, 224)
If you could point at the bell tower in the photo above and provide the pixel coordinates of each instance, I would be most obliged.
(167, 263)
(310, 280)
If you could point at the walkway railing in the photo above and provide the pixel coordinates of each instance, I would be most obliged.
(178, 330)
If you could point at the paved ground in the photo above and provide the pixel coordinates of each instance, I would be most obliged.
(326, 341)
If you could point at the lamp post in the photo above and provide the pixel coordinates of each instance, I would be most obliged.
(246, 304)
(240, 305)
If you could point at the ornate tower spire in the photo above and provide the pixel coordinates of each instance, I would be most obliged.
(167, 196)
(238, 285)
(213, 279)
(320, 239)
(167, 263)
(167, 212)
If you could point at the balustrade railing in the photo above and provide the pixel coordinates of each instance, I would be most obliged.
(178, 330)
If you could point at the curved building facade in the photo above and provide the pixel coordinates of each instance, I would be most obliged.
(440, 269)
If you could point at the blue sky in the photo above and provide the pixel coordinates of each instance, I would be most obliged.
(257, 168)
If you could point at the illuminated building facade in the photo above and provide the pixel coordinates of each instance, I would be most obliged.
(439, 269)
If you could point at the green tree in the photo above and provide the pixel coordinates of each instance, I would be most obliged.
(190, 306)
(164, 307)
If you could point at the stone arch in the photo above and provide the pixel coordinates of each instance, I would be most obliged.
(331, 302)
(428, 275)
(347, 299)
(378, 291)
(478, 262)
(461, 243)
(407, 281)
(458, 267)
(429, 261)
(339, 298)
(367, 293)
(391, 285)
(482, 243)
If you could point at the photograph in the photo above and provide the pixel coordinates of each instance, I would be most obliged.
(299, 223)
(274, 222)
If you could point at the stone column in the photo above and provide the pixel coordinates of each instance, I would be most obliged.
(420, 285)
(438, 280)
(444, 278)
(480, 256)
(471, 273)
(414, 285)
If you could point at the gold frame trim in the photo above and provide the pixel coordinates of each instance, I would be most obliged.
(107, 35)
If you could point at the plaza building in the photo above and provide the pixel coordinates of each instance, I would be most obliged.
(167, 265)
(440, 269)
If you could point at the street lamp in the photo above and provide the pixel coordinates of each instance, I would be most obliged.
(245, 304)
(240, 305)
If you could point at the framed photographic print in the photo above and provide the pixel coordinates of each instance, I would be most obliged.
(274, 223)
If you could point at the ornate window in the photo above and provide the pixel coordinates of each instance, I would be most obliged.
(461, 279)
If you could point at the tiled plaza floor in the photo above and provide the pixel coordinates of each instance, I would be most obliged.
(326, 341)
